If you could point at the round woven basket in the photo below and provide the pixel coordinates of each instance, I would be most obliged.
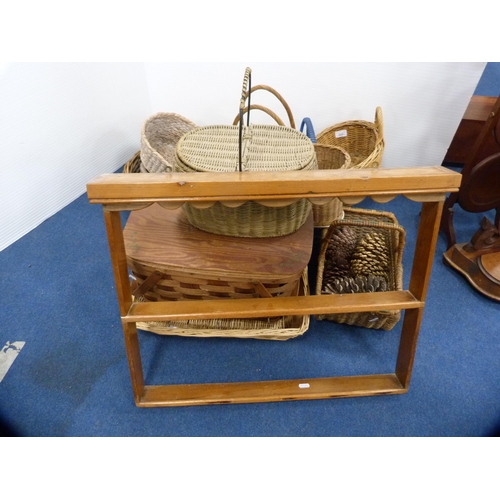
(363, 140)
(329, 158)
(159, 136)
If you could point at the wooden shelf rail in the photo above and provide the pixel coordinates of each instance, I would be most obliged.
(426, 185)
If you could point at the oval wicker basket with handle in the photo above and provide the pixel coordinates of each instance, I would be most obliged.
(363, 140)
(256, 148)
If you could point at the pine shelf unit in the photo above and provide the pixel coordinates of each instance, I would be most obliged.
(123, 192)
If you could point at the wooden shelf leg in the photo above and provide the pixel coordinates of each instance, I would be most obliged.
(425, 247)
(114, 231)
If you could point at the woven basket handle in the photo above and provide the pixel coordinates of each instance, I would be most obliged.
(379, 124)
(271, 113)
(247, 82)
(246, 96)
(307, 123)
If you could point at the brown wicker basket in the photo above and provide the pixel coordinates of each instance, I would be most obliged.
(170, 260)
(329, 158)
(259, 148)
(159, 136)
(362, 222)
(278, 328)
(133, 166)
(363, 140)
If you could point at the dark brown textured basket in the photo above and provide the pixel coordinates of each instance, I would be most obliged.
(363, 221)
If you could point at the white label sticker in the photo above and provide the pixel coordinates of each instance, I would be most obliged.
(8, 354)
(304, 386)
(340, 133)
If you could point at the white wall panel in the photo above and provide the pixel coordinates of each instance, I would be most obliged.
(61, 124)
(422, 103)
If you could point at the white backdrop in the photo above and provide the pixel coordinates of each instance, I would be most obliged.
(61, 124)
(422, 103)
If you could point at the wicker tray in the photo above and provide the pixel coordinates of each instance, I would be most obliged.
(256, 148)
(362, 222)
(363, 140)
(171, 260)
(279, 328)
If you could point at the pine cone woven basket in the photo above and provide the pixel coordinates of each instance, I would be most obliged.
(371, 242)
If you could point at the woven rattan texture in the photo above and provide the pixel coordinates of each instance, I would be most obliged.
(265, 148)
(159, 136)
(363, 222)
(280, 328)
(329, 158)
(364, 141)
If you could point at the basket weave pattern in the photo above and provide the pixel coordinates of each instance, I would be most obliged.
(279, 328)
(179, 284)
(159, 136)
(364, 141)
(265, 148)
(329, 158)
(366, 222)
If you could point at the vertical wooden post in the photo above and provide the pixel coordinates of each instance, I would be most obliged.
(119, 262)
(427, 236)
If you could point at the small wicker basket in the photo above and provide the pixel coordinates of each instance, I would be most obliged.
(328, 158)
(133, 166)
(363, 222)
(159, 136)
(363, 140)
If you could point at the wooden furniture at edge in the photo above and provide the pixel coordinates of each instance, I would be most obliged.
(120, 192)
(478, 136)
(476, 115)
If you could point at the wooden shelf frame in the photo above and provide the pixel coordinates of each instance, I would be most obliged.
(426, 185)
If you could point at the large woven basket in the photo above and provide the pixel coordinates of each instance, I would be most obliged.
(256, 148)
(171, 261)
(328, 158)
(159, 136)
(360, 223)
(278, 328)
(363, 140)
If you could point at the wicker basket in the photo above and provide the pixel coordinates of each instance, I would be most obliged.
(257, 148)
(171, 261)
(159, 136)
(363, 141)
(363, 222)
(279, 328)
(133, 166)
(328, 158)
